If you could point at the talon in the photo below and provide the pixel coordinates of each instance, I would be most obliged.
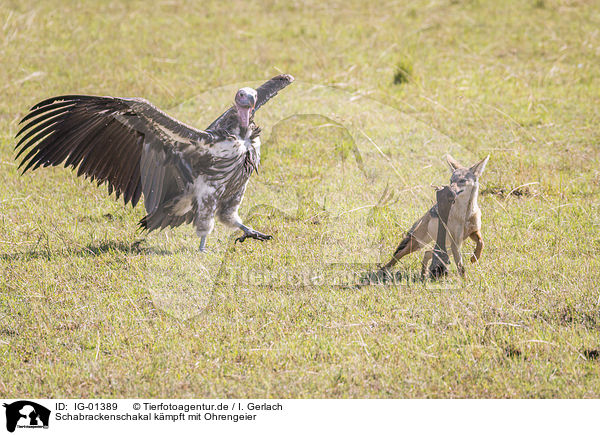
(253, 235)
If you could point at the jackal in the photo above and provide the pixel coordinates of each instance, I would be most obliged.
(464, 220)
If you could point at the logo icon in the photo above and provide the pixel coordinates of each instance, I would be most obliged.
(26, 414)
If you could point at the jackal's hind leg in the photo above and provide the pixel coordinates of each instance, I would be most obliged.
(426, 259)
(476, 237)
(407, 245)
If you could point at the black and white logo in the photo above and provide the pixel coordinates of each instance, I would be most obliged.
(26, 414)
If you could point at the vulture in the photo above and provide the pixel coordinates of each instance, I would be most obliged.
(186, 175)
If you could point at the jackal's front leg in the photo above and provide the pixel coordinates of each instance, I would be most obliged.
(458, 258)
(476, 237)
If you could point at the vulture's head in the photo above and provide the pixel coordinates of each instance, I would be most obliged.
(245, 99)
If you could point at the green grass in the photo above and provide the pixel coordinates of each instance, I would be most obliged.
(90, 307)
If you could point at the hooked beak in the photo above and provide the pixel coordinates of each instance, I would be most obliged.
(244, 115)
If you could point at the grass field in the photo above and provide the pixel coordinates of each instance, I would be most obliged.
(91, 307)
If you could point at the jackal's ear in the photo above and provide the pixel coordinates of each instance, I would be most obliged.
(477, 168)
(453, 163)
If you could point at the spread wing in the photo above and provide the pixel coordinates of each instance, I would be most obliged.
(127, 143)
(264, 93)
(270, 88)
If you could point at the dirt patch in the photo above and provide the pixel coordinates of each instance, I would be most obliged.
(403, 73)
(504, 192)
(9, 332)
(570, 315)
(591, 353)
(512, 352)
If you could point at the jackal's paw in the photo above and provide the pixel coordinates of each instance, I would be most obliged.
(437, 272)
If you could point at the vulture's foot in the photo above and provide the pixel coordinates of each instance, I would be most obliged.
(202, 247)
(253, 234)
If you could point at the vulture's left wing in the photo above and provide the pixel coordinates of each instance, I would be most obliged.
(270, 88)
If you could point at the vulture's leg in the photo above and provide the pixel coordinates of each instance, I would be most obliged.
(252, 234)
(204, 220)
(228, 214)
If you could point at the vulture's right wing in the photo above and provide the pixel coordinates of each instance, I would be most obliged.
(128, 143)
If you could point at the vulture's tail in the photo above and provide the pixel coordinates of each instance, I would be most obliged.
(166, 216)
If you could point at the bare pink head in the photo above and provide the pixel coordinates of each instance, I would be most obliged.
(245, 100)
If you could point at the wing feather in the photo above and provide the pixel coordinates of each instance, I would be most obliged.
(39, 124)
(102, 138)
(270, 88)
(44, 110)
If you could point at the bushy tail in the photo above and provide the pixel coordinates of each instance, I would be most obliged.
(403, 243)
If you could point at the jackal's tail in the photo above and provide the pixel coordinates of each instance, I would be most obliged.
(404, 243)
